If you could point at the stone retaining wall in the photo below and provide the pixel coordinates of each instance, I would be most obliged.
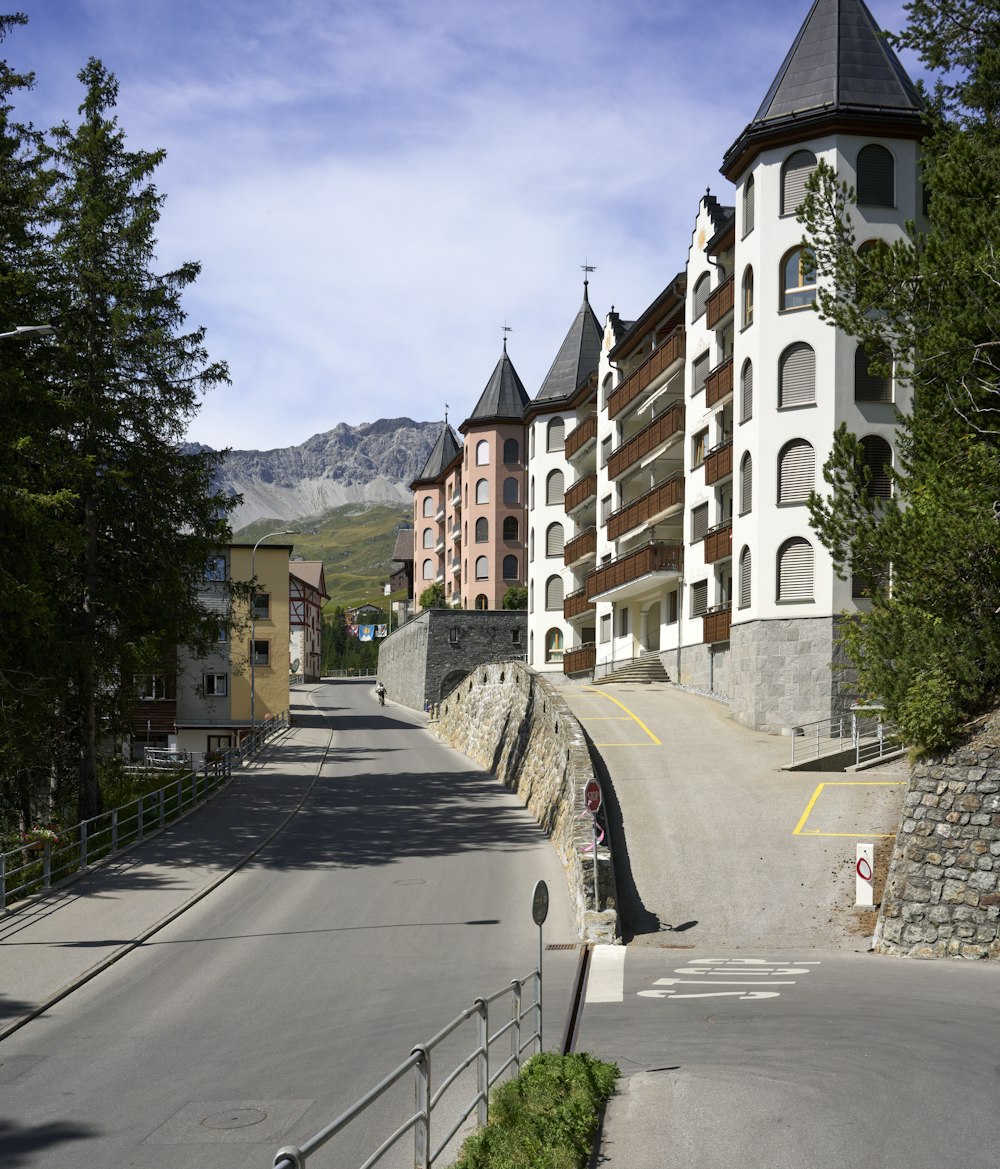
(513, 722)
(942, 896)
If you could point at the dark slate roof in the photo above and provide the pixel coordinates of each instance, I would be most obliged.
(838, 64)
(445, 449)
(404, 545)
(577, 357)
(504, 397)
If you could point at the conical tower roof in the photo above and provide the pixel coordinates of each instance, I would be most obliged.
(445, 449)
(840, 68)
(577, 357)
(504, 398)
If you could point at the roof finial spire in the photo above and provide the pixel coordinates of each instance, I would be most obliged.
(506, 329)
(446, 413)
(587, 269)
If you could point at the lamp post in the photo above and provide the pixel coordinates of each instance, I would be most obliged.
(253, 628)
(22, 332)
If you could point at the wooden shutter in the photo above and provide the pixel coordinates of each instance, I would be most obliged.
(746, 392)
(794, 173)
(797, 375)
(746, 484)
(554, 540)
(554, 593)
(554, 489)
(699, 598)
(796, 471)
(868, 386)
(795, 570)
(876, 177)
(748, 206)
(745, 593)
(699, 522)
(877, 458)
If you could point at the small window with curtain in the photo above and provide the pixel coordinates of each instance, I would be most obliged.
(699, 444)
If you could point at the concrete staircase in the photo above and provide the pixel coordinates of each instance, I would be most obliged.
(647, 668)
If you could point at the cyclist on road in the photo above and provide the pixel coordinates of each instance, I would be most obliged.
(380, 691)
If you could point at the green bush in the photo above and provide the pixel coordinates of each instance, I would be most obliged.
(546, 1118)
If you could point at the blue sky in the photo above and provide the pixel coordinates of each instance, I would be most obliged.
(375, 187)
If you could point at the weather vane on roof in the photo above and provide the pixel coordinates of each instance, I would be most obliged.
(587, 269)
(446, 413)
(506, 329)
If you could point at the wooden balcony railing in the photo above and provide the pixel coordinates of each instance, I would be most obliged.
(576, 603)
(642, 562)
(719, 383)
(668, 424)
(719, 462)
(663, 496)
(671, 349)
(576, 661)
(719, 303)
(716, 623)
(580, 546)
(580, 435)
(582, 490)
(719, 542)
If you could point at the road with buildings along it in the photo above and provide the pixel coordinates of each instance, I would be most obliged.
(400, 892)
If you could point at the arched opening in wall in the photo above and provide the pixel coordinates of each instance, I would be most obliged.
(702, 287)
(553, 646)
(748, 206)
(798, 279)
(482, 601)
(482, 453)
(876, 177)
(482, 491)
(482, 530)
(450, 681)
(511, 490)
(428, 505)
(748, 297)
(872, 385)
(795, 570)
(554, 489)
(877, 458)
(554, 540)
(797, 376)
(511, 450)
(794, 174)
(746, 484)
(745, 579)
(510, 527)
(482, 568)
(555, 435)
(510, 567)
(746, 391)
(796, 471)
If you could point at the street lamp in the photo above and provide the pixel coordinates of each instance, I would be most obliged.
(22, 332)
(253, 626)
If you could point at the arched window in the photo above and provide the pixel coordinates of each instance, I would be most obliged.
(482, 602)
(748, 297)
(876, 177)
(511, 450)
(482, 453)
(870, 386)
(798, 279)
(748, 206)
(531, 494)
(701, 290)
(877, 459)
(796, 471)
(797, 169)
(428, 537)
(554, 645)
(554, 593)
(554, 489)
(482, 530)
(746, 391)
(607, 387)
(428, 506)
(510, 527)
(795, 570)
(746, 484)
(428, 570)
(482, 491)
(745, 581)
(482, 568)
(510, 490)
(797, 375)
(510, 568)
(555, 435)
(554, 540)
(531, 544)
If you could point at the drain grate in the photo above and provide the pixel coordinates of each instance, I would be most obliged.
(562, 945)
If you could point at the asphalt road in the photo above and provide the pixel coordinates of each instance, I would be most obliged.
(400, 892)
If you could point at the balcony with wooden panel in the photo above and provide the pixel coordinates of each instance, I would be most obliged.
(719, 462)
(664, 498)
(719, 383)
(581, 437)
(580, 660)
(634, 573)
(720, 303)
(668, 426)
(718, 543)
(580, 547)
(582, 491)
(716, 622)
(577, 605)
(663, 358)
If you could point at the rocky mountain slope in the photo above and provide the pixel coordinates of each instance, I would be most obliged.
(373, 462)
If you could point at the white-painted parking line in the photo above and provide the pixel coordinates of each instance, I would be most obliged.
(606, 977)
(725, 973)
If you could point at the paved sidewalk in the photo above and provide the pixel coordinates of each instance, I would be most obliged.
(53, 943)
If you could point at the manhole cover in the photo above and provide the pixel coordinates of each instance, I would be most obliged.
(235, 1118)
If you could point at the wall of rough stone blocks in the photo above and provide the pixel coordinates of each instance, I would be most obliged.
(942, 895)
(402, 663)
(699, 668)
(512, 722)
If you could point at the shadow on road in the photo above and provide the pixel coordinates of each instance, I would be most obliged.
(21, 1143)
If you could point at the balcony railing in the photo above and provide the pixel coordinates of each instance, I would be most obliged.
(664, 496)
(719, 542)
(670, 423)
(582, 490)
(456, 566)
(664, 356)
(580, 546)
(642, 562)
(719, 462)
(716, 623)
(719, 303)
(576, 604)
(456, 499)
(576, 661)
(440, 514)
(719, 383)
(583, 433)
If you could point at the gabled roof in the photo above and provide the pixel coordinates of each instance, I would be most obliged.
(504, 398)
(441, 457)
(577, 357)
(839, 65)
(404, 545)
(311, 573)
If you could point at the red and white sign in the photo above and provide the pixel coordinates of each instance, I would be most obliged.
(864, 870)
(592, 796)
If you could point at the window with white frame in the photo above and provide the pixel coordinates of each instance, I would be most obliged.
(260, 651)
(215, 685)
(262, 607)
(482, 491)
(482, 453)
(482, 568)
(798, 280)
(428, 506)
(748, 297)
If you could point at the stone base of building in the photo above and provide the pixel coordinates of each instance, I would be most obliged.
(699, 667)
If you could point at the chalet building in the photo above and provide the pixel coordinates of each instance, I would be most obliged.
(306, 597)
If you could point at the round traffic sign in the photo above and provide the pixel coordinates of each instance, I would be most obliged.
(864, 869)
(592, 796)
(540, 903)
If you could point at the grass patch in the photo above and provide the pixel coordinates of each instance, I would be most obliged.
(546, 1118)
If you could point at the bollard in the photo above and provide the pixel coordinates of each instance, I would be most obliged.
(864, 871)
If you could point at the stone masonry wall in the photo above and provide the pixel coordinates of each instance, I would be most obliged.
(402, 663)
(700, 668)
(512, 722)
(942, 896)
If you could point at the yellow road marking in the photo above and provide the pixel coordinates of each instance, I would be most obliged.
(799, 829)
(638, 721)
(628, 744)
(605, 718)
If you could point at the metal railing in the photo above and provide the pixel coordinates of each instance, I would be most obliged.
(864, 732)
(53, 856)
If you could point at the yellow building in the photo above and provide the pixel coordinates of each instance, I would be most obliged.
(260, 655)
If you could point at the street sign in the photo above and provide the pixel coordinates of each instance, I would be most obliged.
(592, 796)
(540, 903)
